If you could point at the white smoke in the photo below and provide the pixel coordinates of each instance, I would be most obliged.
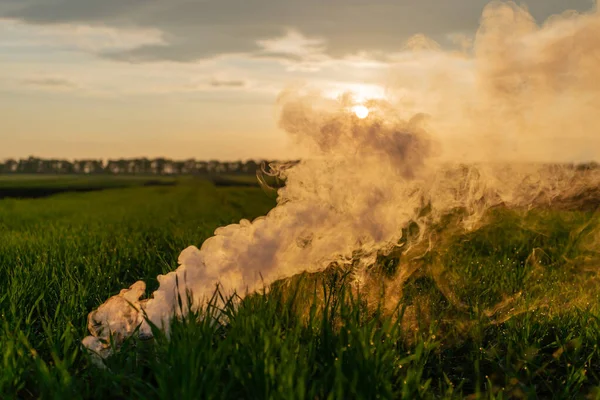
(527, 93)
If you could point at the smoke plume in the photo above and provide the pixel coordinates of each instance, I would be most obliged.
(479, 128)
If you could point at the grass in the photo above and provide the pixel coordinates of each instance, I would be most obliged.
(36, 186)
(507, 311)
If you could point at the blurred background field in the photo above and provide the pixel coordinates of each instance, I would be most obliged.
(38, 185)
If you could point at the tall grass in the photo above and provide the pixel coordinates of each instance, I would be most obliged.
(62, 256)
(507, 311)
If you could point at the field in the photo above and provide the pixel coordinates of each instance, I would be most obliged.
(507, 311)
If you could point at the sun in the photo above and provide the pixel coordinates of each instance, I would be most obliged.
(361, 111)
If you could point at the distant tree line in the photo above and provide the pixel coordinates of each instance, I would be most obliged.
(138, 166)
(157, 166)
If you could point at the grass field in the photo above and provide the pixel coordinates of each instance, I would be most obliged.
(36, 186)
(508, 311)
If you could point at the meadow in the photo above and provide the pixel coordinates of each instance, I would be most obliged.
(509, 310)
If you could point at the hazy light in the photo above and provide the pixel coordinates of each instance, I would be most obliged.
(361, 111)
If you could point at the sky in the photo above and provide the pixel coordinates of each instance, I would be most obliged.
(200, 78)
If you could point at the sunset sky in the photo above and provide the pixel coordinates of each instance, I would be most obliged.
(199, 78)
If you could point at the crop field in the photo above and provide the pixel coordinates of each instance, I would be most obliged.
(509, 310)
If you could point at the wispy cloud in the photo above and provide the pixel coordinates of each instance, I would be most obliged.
(50, 83)
(294, 44)
(219, 83)
(75, 36)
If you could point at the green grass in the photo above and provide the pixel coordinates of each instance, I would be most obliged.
(507, 311)
(37, 186)
(73, 181)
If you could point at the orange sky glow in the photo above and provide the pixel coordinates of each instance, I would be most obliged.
(79, 82)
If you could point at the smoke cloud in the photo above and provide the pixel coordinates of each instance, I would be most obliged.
(478, 129)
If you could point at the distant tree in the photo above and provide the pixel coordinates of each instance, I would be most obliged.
(87, 166)
(97, 166)
(178, 167)
(169, 167)
(215, 167)
(145, 166)
(233, 167)
(56, 166)
(131, 166)
(10, 165)
(112, 167)
(189, 166)
(51, 166)
(211, 166)
(158, 166)
(201, 167)
(100, 167)
(24, 166)
(138, 166)
(30, 165)
(43, 166)
(67, 167)
(121, 166)
(250, 167)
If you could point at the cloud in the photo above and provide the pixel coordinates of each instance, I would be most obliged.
(75, 36)
(194, 29)
(183, 49)
(295, 51)
(293, 44)
(218, 83)
(50, 83)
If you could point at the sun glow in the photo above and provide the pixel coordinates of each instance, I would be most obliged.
(354, 96)
(359, 92)
(361, 111)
